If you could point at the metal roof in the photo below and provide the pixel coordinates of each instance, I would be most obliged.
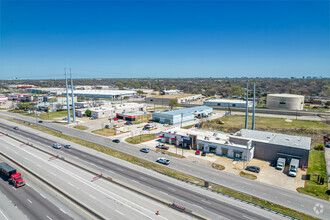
(186, 111)
(276, 138)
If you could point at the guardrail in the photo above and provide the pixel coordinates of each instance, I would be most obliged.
(230, 196)
(111, 179)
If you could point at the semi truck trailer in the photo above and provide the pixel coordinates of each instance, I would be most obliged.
(12, 175)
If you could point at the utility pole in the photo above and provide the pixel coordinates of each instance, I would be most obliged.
(73, 107)
(181, 119)
(254, 105)
(247, 107)
(67, 97)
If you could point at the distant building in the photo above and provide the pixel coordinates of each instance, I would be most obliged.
(181, 115)
(228, 102)
(165, 99)
(285, 101)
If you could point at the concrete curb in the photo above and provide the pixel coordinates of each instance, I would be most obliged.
(106, 177)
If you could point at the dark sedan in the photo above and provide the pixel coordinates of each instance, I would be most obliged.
(253, 169)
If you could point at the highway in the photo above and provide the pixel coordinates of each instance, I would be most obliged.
(196, 197)
(294, 200)
(27, 200)
(106, 198)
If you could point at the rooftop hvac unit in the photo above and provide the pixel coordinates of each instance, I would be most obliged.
(217, 138)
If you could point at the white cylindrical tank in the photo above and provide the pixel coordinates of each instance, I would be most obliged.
(285, 101)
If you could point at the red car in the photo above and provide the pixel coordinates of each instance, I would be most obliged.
(198, 152)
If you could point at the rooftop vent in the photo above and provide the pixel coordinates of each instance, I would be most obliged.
(287, 139)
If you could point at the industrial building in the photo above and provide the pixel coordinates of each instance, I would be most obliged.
(181, 115)
(245, 144)
(135, 116)
(110, 111)
(285, 101)
(228, 103)
(269, 146)
(180, 98)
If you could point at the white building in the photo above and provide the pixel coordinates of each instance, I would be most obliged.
(209, 141)
(228, 102)
(285, 101)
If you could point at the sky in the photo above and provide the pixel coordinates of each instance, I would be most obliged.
(138, 39)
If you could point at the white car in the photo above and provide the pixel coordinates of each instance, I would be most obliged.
(57, 146)
(163, 161)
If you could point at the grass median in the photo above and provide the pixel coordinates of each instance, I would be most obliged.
(140, 138)
(167, 171)
(80, 127)
(248, 175)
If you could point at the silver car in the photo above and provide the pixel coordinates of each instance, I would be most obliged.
(57, 146)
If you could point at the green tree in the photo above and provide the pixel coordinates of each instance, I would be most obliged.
(173, 103)
(140, 92)
(88, 113)
(26, 105)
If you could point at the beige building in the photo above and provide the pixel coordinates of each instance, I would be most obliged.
(285, 101)
(165, 99)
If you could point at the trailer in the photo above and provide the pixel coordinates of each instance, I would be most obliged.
(7, 170)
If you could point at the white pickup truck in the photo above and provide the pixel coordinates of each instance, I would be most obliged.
(163, 161)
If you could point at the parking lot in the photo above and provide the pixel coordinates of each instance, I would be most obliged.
(267, 173)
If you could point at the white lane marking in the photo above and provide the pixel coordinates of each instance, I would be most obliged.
(288, 201)
(120, 169)
(142, 178)
(53, 173)
(63, 211)
(14, 188)
(119, 212)
(29, 201)
(100, 161)
(27, 184)
(129, 204)
(38, 165)
(4, 215)
(135, 181)
(302, 205)
(171, 188)
(247, 217)
(207, 202)
(163, 192)
(49, 217)
(70, 184)
(92, 196)
(43, 196)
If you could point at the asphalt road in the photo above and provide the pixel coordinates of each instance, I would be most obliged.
(293, 200)
(213, 205)
(31, 203)
(111, 200)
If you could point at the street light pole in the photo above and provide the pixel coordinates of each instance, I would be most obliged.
(181, 119)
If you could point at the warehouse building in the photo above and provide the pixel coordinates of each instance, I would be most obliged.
(180, 98)
(181, 115)
(244, 145)
(269, 146)
(112, 94)
(228, 103)
(285, 101)
(135, 116)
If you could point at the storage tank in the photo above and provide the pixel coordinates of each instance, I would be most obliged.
(285, 101)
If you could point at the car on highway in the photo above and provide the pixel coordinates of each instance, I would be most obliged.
(162, 146)
(15, 128)
(203, 154)
(144, 150)
(253, 169)
(57, 146)
(116, 141)
(163, 161)
(68, 146)
(128, 123)
(198, 152)
(40, 121)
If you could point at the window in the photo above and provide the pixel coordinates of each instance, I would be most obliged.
(224, 151)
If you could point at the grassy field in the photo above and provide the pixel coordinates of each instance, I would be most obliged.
(248, 175)
(80, 127)
(316, 167)
(234, 123)
(45, 115)
(168, 171)
(140, 138)
(105, 131)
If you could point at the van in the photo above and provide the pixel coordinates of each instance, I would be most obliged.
(294, 164)
(280, 163)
